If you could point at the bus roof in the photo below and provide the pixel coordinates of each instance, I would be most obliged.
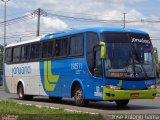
(72, 32)
(95, 29)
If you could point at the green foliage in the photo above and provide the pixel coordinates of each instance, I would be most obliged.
(30, 112)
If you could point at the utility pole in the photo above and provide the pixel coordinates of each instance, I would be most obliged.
(38, 21)
(124, 20)
(5, 6)
(39, 12)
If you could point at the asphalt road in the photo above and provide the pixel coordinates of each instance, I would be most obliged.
(104, 108)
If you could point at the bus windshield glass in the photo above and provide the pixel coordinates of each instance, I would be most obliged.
(128, 55)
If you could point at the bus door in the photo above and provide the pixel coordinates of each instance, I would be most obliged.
(97, 73)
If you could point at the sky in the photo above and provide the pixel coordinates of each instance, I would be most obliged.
(138, 10)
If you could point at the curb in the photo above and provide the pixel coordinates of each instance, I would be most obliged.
(67, 110)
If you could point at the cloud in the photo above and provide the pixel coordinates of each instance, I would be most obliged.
(54, 23)
(96, 9)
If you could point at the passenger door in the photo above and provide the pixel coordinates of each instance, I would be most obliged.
(94, 63)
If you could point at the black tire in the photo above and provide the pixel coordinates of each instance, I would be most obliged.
(20, 92)
(78, 97)
(122, 103)
(55, 99)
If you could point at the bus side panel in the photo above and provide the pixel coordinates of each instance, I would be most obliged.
(58, 75)
(26, 73)
(33, 81)
(48, 78)
(8, 78)
(76, 70)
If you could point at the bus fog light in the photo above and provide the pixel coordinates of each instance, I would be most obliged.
(112, 87)
(152, 87)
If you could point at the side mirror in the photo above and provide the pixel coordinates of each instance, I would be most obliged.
(103, 50)
(156, 55)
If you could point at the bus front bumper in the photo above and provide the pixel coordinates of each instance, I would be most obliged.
(109, 94)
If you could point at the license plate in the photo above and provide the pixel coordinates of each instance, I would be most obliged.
(134, 94)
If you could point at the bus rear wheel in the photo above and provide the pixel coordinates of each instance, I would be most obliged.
(21, 95)
(121, 103)
(78, 97)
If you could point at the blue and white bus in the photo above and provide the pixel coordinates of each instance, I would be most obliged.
(94, 64)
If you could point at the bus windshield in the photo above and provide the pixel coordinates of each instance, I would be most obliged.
(128, 55)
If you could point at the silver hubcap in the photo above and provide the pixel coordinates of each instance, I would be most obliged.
(78, 96)
(20, 93)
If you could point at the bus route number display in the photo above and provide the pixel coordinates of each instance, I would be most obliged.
(77, 67)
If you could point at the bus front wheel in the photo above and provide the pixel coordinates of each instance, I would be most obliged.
(78, 97)
(121, 103)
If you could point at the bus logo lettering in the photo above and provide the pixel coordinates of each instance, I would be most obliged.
(137, 40)
(21, 70)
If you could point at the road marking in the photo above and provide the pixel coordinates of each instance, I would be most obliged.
(39, 106)
(29, 104)
(54, 108)
(77, 111)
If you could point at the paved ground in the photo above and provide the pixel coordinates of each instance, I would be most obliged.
(104, 108)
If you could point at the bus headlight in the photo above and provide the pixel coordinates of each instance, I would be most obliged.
(152, 87)
(112, 87)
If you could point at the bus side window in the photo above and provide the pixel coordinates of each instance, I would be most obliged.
(50, 52)
(47, 49)
(9, 56)
(35, 51)
(76, 45)
(61, 47)
(16, 54)
(25, 53)
(57, 48)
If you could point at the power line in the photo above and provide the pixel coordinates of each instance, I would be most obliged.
(102, 20)
(42, 12)
(82, 14)
(17, 20)
(18, 13)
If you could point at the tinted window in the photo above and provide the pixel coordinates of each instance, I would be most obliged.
(50, 49)
(118, 49)
(9, 55)
(47, 49)
(91, 41)
(76, 45)
(61, 47)
(16, 54)
(25, 50)
(35, 51)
